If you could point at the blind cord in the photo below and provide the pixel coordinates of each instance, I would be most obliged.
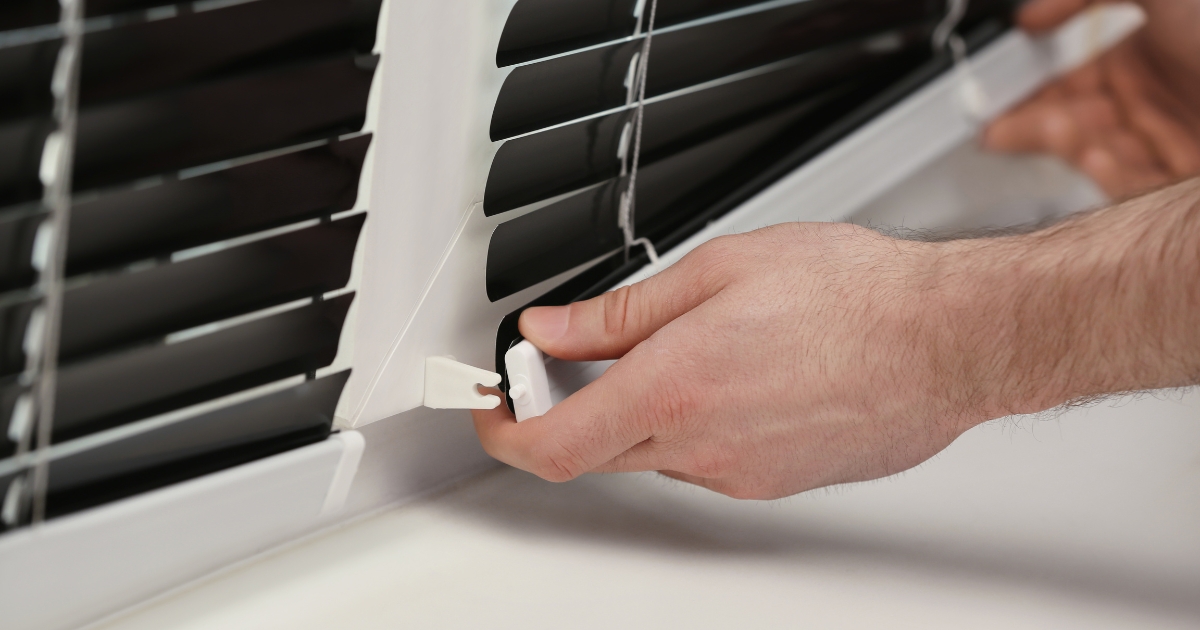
(56, 173)
(972, 96)
(625, 213)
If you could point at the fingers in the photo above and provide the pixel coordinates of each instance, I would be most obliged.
(1086, 122)
(1036, 128)
(637, 416)
(608, 326)
(1171, 141)
(1039, 16)
(1061, 127)
(628, 403)
(1117, 175)
(587, 430)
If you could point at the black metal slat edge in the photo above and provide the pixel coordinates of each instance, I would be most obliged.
(119, 388)
(538, 166)
(17, 14)
(223, 119)
(142, 57)
(124, 226)
(196, 446)
(145, 305)
(573, 86)
(541, 28)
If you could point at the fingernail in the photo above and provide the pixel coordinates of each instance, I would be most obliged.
(547, 323)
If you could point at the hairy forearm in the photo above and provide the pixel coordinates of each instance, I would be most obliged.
(1103, 303)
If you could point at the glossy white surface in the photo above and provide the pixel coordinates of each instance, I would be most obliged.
(1087, 520)
(73, 569)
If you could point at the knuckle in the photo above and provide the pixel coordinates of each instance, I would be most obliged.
(617, 311)
(721, 252)
(559, 464)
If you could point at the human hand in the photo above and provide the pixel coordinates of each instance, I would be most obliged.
(1129, 120)
(760, 366)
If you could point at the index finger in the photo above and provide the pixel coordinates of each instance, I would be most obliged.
(588, 429)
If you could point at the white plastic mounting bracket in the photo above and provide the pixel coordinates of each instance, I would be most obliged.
(453, 385)
(529, 388)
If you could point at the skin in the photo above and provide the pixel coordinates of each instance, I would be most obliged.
(1131, 119)
(807, 355)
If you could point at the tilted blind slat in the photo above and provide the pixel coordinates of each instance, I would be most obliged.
(10, 391)
(544, 164)
(18, 229)
(16, 14)
(196, 446)
(14, 321)
(115, 389)
(108, 7)
(221, 120)
(133, 224)
(573, 86)
(21, 143)
(546, 242)
(539, 28)
(146, 304)
(148, 56)
(25, 73)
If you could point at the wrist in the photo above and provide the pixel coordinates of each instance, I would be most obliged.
(1005, 303)
(1099, 304)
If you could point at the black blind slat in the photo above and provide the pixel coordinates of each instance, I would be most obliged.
(147, 56)
(222, 119)
(14, 320)
(539, 28)
(109, 490)
(108, 7)
(146, 304)
(565, 88)
(121, 387)
(134, 224)
(675, 11)
(10, 390)
(16, 14)
(196, 446)
(21, 143)
(541, 165)
(18, 228)
(25, 73)
(547, 242)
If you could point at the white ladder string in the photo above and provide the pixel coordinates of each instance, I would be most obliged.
(972, 97)
(625, 213)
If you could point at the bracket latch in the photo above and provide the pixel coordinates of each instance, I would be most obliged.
(529, 387)
(453, 385)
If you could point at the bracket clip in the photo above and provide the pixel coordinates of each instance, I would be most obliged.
(452, 385)
(529, 387)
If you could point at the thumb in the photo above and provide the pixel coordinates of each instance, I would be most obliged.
(608, 326)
